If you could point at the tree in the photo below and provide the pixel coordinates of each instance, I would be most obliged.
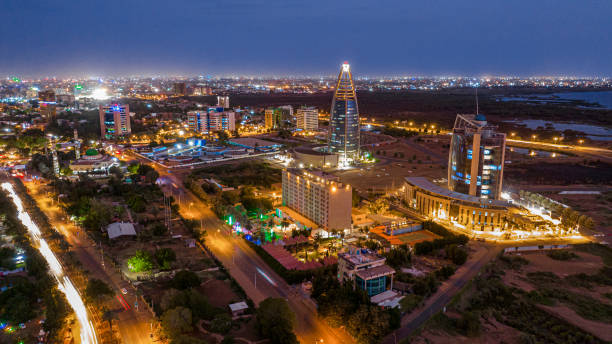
(356, 199)
(133, 168)
(221, 323)
(165, 257)
(109, 316)
(368, 324)
(96, 289)
(177, 321)
(410, 302)
(97, 216)
(275, 321)
(222, 136)
(142, 261)
(379, 206)
(185, 279)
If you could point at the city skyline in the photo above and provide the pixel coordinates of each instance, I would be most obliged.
(288, 38)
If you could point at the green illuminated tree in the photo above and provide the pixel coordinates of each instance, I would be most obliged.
(142, 261)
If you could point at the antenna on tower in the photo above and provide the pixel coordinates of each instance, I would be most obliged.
(476, 100)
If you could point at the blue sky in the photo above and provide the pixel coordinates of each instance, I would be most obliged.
(291, 37)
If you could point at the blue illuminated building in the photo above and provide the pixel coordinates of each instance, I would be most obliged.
(476, 157)
(366, 270)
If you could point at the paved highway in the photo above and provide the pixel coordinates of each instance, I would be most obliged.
(445, 293)
(133, 325)
(252, 273)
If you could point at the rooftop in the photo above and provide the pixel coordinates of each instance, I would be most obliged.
(253, 142)
(375, 272)
(360, 256)
(425, 184)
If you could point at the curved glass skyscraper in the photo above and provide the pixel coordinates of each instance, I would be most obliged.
(476, 157)
(344, 120)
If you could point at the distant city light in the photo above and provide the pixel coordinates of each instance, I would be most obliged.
(100, 94)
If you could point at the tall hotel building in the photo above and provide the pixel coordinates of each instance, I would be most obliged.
(343, 133)
(114, 121)
(214, 119)
(319, 197)
(476, 157)
(307, 118)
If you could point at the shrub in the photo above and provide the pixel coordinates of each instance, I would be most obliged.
(410, 302)
(221, 323)
(142, 261)
(185, 279)
(562, 255)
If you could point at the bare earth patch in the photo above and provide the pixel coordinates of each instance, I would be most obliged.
(585, 263)
(492, 332)
(599, 329)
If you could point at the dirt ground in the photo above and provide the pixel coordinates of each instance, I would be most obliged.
(585, 263)
(493, 332)
(391, 169)
(219, 292)
(603, 331)
(539, 261)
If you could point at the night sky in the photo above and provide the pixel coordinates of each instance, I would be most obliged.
(305, 37)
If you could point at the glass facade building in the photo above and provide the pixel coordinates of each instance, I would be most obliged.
(476, 157)
(114, 121)
(344, 120)
(373, 286)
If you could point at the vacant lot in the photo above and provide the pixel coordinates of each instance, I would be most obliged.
(536, 297)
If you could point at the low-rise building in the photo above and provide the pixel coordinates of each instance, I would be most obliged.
(93, 162)
(214, 119)
(366, 269)
(472, 212)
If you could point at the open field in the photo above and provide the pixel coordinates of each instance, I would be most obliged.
(553, 297)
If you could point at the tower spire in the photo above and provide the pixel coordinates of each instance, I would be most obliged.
(343, 137)
(477, 101)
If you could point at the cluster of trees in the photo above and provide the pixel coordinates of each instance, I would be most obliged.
(341, 305)
(451, 246)
(275, 321)
(397, 132)
(21, 301)
(399, 256)
(569, 218)
(379, 206)
(26, 142)
(181, 308)
(81, 198)
(144, 261)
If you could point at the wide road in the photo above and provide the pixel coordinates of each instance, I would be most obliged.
(249, 270)
(448, 289)
(245, 266)
(134, 326)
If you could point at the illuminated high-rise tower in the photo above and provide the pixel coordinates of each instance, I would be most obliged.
(343, 137)
(476, 157)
